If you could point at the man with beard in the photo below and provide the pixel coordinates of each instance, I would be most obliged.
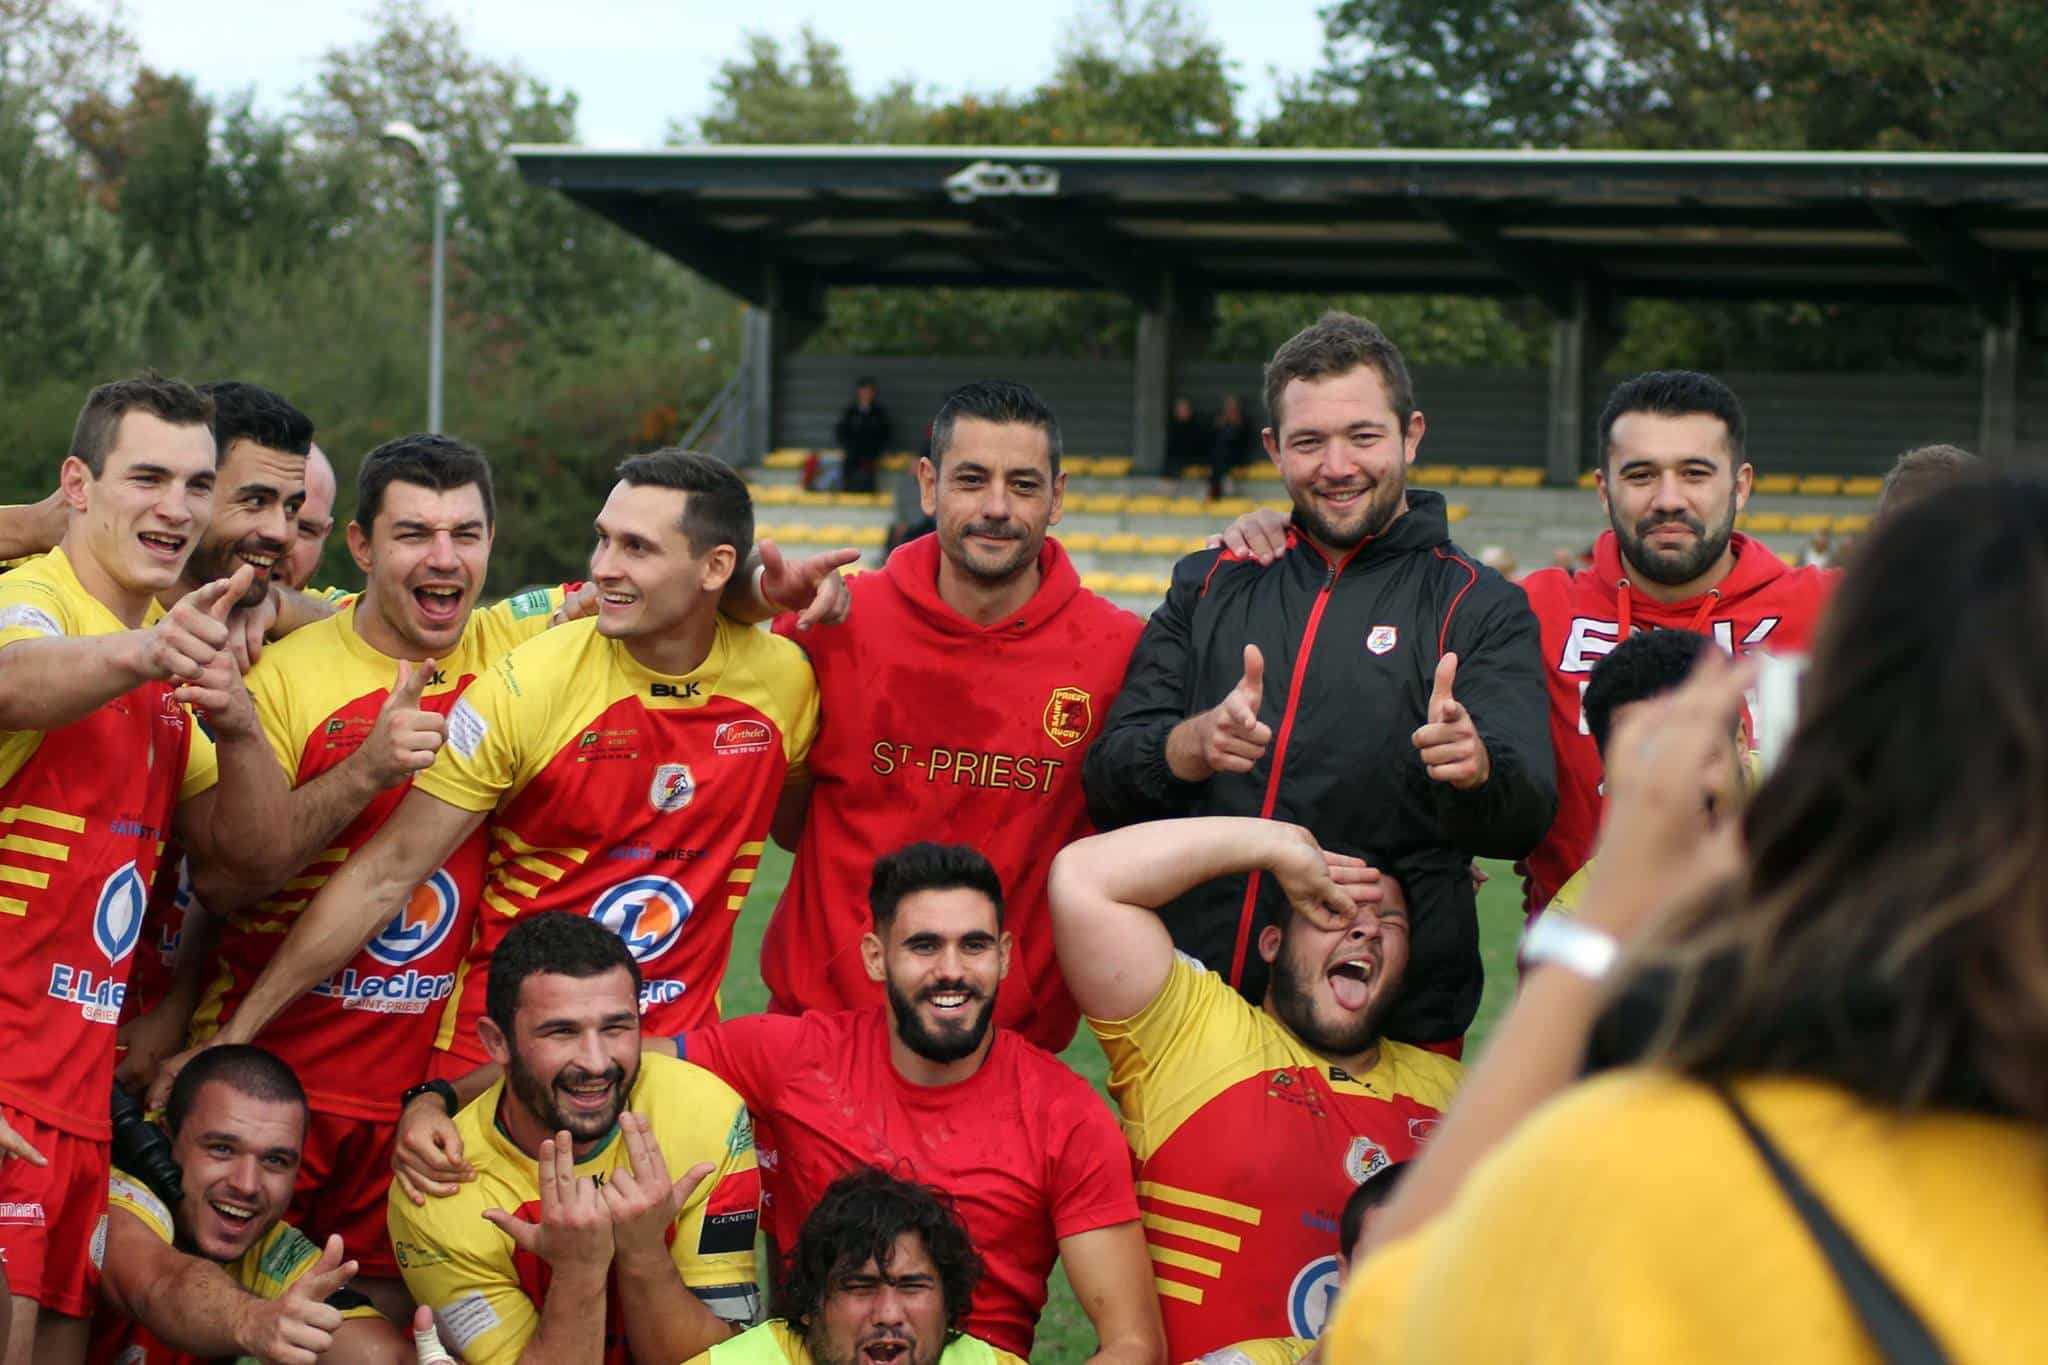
(1404, 711)
(577, 1243)
(962, 688)
(216, 1271)
(881, 1275)
(316, 520)
(1251, 1125)
(929, 1085)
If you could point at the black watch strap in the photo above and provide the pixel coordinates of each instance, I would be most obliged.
(434, 1087)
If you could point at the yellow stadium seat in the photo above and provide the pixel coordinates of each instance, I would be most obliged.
(1141, 584)
(1863, 486)
(1164, 545)
(1434, 475)
(1100, 582)
(778, 495)
(1821, 485)
(1228, 507)
(1282, 506)
(1851, 525)
(1122, 543)
(1777, 483)
(1110, 504)
(1480, 476)
(1456, 512)
(785, 459)
(900, 460)
(1194, 545)
(1080, 466)
(866, 537)
(1195, 471)
(1790, 558)
(1084, 542)
(1148, 505)
(1112, 466)
(1188, 507)
(1810, 523)
(1590, 479)
(1766, 523)
(1265, 471)
(1521, 478)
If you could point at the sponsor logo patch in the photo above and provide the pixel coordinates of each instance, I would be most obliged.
(1310, 1296)
(466, 730)
(466, 1319)
(1069, 715)
(648, 913)
(672, 789)
(742, 737)
(730, 1215)
(1381, 639)
(1422, 1129)
(117, 919)
(532, 602)
(21, 616)
(422, 926)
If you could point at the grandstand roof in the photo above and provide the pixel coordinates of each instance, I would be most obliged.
(763, 221)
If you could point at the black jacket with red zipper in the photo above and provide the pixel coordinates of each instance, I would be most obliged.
(1351, 650)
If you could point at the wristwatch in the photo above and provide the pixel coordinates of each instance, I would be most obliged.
(1568, 943)
(436, 1087)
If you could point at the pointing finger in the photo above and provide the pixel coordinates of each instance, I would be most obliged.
(1440, 693)
(232, 590)
(1254, 671)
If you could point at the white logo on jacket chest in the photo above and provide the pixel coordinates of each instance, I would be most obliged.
(1381, 639)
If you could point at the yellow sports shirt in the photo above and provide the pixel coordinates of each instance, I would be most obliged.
(487, 1294)
(777, 1343)
(1631, 1220)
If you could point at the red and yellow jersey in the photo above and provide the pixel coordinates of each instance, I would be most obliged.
(640, 800)
(487, 1295)
(1247, 1146)
(1264, 1351)
(274, 1264)
(318, 693)
(84, 813)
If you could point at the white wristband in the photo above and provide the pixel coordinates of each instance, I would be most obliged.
(1570, 944)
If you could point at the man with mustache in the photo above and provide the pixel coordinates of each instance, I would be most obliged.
(1251, 1124)
(881, 1275)
(613, 1212)
(932, 1086)
(1376, 684)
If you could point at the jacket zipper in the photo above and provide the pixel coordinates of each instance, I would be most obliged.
(1308, 641)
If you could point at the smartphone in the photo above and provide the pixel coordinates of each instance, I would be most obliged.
(1774, 706)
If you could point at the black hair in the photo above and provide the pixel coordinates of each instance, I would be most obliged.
(1367, 1195)
(1674, 393)
(717, 508)
(858, 1219)
(866, 381)
(1001, 401)
(929, 867)
(250, 412)
(168, 400)
(1639, 668)
(441, 463)
(243, 1067)
(552, 941)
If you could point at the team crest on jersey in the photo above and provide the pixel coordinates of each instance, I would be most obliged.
(1365, 1159)
(422, 926)
(117, 918)
(1311, 1295)
(672, 788)
(648, 913)
(1069, 714)
(1382, 639)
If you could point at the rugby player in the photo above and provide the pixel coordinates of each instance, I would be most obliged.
(882, 1274)
(1250, 1124)
(939, 1088)
(963, 689)
(211, 1268)
(574, 1243)
(316, 520)
(100, 764)
(626, 766)
(353, 706)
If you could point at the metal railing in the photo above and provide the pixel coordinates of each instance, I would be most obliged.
(717, 428)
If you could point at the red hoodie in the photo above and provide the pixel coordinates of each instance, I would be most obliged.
(936, 728)
(1761, 604)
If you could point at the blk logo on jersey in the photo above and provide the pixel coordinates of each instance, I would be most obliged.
(419, 928)
(672, 788)
(116, 925)
(1311, 1296)
(648, 913)
(1382, 639)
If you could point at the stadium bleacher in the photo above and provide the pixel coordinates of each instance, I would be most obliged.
(1125, 532)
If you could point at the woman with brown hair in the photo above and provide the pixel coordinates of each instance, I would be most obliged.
(1818, 1124)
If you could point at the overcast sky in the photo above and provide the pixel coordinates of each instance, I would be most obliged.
(635, 64)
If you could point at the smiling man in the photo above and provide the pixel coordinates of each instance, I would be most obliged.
(1251, 1124)
(625, 766)
(210, 1268)
(1375, 684)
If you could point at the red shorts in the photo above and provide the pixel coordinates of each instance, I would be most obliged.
(52, 1216)
(344, 1179)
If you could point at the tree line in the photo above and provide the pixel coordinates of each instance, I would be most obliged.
(145, 222)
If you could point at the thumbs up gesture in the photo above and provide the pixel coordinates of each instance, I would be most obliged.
(1447, 740)
(1229, 737)
(406, 736)
(298, 1327)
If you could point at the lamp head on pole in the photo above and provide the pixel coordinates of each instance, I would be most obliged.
(401, 134)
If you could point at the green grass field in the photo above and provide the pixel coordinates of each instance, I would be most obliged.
(1064, 1335)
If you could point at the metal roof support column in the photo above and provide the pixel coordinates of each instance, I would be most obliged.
(1579, 341)
(1998, 412)
(1172, 323)
(795, 308)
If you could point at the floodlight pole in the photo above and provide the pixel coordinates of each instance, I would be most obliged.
(431, 155)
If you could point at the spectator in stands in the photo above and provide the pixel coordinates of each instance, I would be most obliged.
(1820, 1125)
(1231, 444)
(1819, 551)
(200, 1263)
(1501, 560)
(1187, 441)
(1250, 1124)
(1376, 685)
(1361, 1210)
(1921, 470)
(882, 1273)
(863, 433)
(1025, 1149)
